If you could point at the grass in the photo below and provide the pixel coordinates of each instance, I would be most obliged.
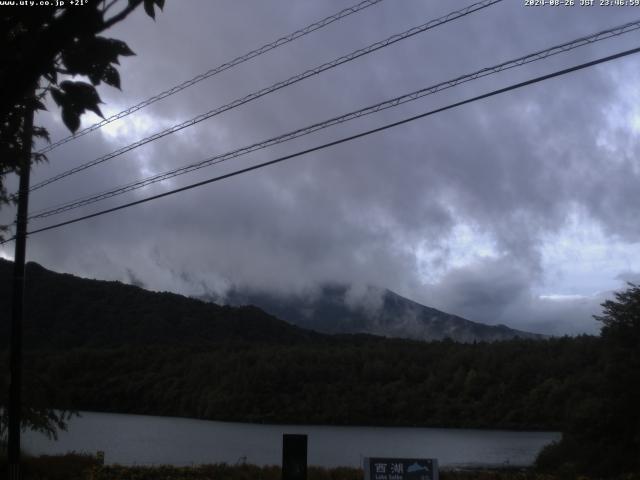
(76, 466)
(72, 466)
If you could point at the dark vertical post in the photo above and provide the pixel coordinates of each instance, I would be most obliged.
(17, 302)
(294, 457)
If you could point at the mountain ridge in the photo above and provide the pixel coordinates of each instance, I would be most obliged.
(66, 311)
(335, 309)
(107, 346)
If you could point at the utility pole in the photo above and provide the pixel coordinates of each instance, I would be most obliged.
(17, 303)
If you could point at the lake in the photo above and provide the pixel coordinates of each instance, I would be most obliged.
(148, 440)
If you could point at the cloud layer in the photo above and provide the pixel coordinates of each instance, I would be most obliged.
(498, 211)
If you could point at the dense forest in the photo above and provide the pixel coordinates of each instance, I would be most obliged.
(64, 311)
(517, 384)
(106, 346)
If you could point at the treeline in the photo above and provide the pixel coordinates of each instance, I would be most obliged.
(106, 346)
(63, 311)
(342, 381)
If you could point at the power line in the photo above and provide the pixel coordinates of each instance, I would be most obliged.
(219, 69)
(342, 140)
(539, 55)
(277, 86)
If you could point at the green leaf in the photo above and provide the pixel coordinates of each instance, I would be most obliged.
(39, 157)
(71, 119)
(78, 97)
(148, 7)
(94, 58)
(41, 132)
(85, 21)
(38, 105)
(95, 76)
(95, 109)
(121, 47)
(160, 4)
(58, 96)
(110, 76)
(81, 93)
(92, 55)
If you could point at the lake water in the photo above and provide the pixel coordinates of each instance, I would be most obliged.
(147, 440)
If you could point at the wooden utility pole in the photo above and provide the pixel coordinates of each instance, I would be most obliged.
(17, 302)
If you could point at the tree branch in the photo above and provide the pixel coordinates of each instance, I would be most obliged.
(120, 16)
(106, 8)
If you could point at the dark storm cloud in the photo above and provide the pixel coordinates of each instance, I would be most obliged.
(484, 290)
(514, 167)
(501, 292)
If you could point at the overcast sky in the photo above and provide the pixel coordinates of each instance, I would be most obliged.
(520, 209)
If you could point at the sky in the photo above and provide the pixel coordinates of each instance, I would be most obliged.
(520, 209)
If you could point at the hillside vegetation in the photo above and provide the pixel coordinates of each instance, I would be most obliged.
(338, 308)
(106, 346)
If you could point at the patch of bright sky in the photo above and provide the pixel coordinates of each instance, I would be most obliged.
(141, 125)
(558, 297)
(581, 261)
(464, 246)
(629, 91)
(632, 99)
(623, 115)
(578, 262)
(132, 129)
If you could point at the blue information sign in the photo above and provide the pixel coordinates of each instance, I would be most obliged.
(400, 469)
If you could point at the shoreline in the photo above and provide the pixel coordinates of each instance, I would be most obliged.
(87, 467)
(331, 425)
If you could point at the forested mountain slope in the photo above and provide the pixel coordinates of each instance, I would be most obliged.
(377, 311)
(106, 346)
(64, 311)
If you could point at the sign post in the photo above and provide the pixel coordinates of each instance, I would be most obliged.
(400, 468)
(294, 457)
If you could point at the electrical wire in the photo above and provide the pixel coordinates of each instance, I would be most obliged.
(539, 55)
(276, 86)
(219, 69)
(342, 140)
